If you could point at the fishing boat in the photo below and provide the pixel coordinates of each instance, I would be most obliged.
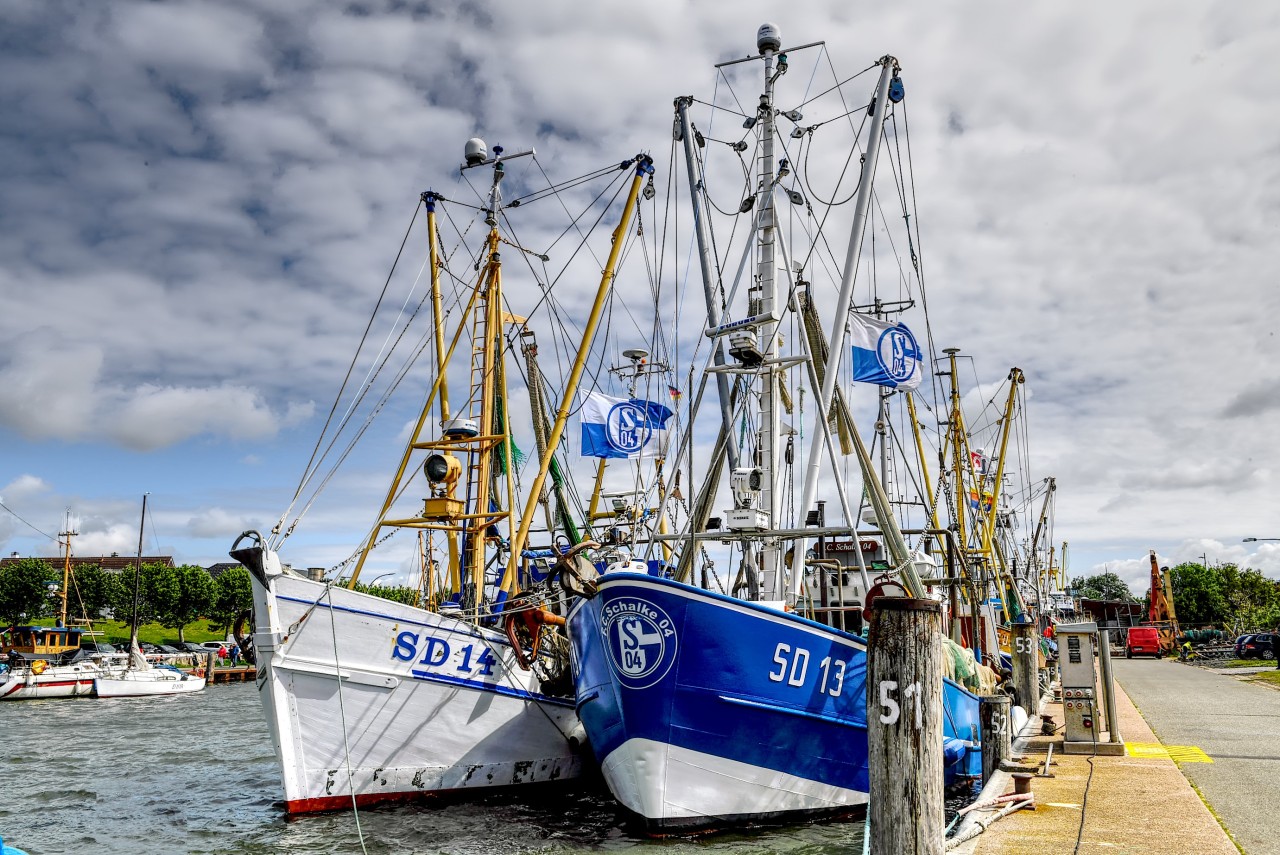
(370, 700)
(709, 708)
(47, 661)
(140, 678)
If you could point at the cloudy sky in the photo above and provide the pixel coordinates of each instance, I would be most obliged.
(200, 201)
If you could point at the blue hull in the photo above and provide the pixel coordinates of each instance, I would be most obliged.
(705, 710)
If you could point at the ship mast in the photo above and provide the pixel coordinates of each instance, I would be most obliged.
(66, 564)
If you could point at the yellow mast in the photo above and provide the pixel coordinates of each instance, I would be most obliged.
(924, 463)
(66, 565)
(429, 198)
(644, 166)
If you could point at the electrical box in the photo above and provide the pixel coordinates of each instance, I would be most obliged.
(1077, 643)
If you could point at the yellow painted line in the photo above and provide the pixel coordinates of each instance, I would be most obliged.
(1176, 753)
(1188, 754)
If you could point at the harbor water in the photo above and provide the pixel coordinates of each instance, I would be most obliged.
(195, 774)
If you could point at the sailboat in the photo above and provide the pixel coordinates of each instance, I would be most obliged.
(370, 700)
(141, 678)
(708, 708)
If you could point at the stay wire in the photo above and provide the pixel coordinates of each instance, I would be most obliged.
(27, 524)
(307, 471)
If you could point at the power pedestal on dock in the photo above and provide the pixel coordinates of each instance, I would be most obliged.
(1085, 698)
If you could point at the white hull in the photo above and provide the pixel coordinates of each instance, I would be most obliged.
(654, 779)
(56, 681)
(136, 684)
(383, 701)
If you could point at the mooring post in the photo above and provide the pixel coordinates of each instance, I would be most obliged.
(904, 726)
(1026, 667)
(208, 668)
(993, 712)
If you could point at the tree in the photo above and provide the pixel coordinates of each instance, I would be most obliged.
(233, 594)
(192, 597)
(1102, 586)
(1199, 595)
(24, 590)
(91, 591)
(158, 591)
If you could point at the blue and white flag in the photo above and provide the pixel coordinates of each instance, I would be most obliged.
(885, 354)
(622, 427)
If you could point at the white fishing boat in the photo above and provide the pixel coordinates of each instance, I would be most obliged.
(370, 700)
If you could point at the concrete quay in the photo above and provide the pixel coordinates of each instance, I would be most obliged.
(1137, 803)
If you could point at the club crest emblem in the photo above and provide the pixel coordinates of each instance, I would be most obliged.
(641, 640)
(628, 427)
(898, 353)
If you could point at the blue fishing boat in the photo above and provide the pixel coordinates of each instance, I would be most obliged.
(707, 708)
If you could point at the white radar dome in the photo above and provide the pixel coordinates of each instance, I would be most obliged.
(768, 37)
(476, 151)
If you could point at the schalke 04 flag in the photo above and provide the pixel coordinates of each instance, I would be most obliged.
(885, 353)
(623, 427)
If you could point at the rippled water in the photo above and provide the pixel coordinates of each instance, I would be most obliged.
(195, 774)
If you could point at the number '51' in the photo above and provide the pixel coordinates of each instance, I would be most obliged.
(909, 693)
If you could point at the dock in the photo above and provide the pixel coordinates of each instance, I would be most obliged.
(1138, 802)
(236, 674)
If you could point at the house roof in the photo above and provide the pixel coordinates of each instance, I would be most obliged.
(110, 563)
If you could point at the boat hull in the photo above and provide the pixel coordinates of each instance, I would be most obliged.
(370, 700)
(56, 681)
(137, 684)
(705, 711)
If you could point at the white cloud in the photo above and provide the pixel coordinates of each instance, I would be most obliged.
(200, 202)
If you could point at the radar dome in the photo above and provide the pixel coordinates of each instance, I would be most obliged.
(476, 151)
(768, 37)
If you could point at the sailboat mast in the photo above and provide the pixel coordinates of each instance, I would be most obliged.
(137, 577)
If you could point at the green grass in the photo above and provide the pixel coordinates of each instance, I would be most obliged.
(117, 632)
(1271, 677)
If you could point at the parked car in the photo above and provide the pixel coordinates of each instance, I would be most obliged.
(214, 645)
(1142, 641)
(1263, 646)
(92, 647)
(190, 647)
(1240, 643)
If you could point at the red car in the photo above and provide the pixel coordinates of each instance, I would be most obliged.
(1143, 641)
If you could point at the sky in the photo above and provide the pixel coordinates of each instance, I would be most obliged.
(199, 202)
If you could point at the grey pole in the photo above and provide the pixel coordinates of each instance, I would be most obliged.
(1108, 687)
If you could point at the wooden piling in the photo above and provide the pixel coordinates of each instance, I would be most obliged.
(993, 712)
(1026, 667)
(904, 726)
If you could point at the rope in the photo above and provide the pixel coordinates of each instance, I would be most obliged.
(342, 711)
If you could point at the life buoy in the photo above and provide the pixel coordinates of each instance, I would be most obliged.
(38, 666)
(524, 623)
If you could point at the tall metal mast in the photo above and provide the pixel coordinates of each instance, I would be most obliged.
(888, 68)
(765, 295)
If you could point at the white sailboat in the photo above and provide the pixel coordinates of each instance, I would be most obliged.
(141, 678)
(370, 700)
